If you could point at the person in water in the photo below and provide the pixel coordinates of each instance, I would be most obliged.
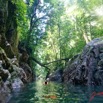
(46, 81)
(47, 78)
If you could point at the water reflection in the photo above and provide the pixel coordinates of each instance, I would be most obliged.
(55, 93)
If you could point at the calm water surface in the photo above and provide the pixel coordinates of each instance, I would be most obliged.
(37, 92)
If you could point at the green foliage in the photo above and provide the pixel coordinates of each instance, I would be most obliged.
(22, 18)
(62, 30)
(69, 28)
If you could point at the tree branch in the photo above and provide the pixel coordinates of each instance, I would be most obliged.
(44, 65)
(56, 61)
(35, 21)
(38, 62)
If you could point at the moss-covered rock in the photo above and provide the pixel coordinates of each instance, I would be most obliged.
(8, 28)
(13, 74)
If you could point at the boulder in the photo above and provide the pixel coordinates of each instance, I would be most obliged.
(12, 76)
(87, 68)
(17, 83)
(56, 76)
(28, 71)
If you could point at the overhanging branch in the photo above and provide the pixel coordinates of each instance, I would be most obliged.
(38, 62)
(44, 64)
(56, 61)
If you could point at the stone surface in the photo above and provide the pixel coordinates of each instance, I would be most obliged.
(4, 93)
(87, 68)
(56, 76)
(17, 83)
(12, 74)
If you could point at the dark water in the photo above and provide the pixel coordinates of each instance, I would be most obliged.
(55, 93)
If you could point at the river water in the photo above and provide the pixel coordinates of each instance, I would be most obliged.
(38, 92)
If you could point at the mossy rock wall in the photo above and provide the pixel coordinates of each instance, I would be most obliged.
(14, 71)
(8, 28)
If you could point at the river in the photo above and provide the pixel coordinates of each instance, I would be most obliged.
(38, 92)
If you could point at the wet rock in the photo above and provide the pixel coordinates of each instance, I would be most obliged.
(56, 76)
(101, 50)
(100, 63)
(4, 92)
(96, 51)
(5, 74)
(17, 83)
(87, 68)
(24, 57)
(12, 75)
(19, 72)
(101, 55)
(27, 70)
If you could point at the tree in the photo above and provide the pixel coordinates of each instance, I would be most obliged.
(58, 29)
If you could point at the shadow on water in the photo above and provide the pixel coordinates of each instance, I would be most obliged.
(37, 92)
